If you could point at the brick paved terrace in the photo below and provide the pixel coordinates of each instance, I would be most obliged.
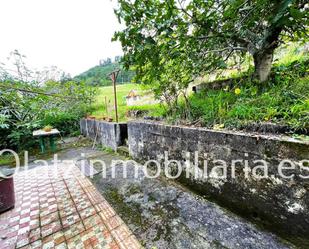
(57, 207)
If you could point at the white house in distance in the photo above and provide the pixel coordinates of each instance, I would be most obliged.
(132, 98)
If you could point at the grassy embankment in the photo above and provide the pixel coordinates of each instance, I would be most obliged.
(122, 91)
(284, 99)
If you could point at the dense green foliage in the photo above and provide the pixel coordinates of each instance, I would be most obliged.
(98, 75)
(170, 43)
(284, 100)
(25, 107)
(173, 43)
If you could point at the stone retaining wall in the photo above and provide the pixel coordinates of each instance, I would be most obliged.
(109, 134)
(279, 204)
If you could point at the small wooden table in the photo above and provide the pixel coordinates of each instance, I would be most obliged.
(41, 134)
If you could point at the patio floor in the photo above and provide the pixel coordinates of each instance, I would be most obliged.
(57, 207)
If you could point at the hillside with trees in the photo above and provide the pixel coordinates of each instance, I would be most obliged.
(98, 75)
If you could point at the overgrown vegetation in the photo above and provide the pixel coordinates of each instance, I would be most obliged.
(171, 43)
(284, 100)
(156, 110)
(27, 105)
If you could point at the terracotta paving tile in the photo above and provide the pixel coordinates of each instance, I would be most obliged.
(35, 245)
(72, 183)
(49, 201)
(10, 233)
(67, 210)
(34, 223)
(113, 222)
(92, 221)
(77, 193)
(63, 199)
(67, 176)
(35, 234)
(70, 220)
(51, 228)
(50, 245)
(130, 243)
(49, 218)
(85, 213)
(111, 245)
(83, 240)
(56, 240)
(102, 205)
(34, 206)
(121, 233)
(78, 196)
(59, 184)
(84, 182)
(14, 220)
(61, 193)
(106, 213)
(48, 210)
(101, 237)
(8, 243)
(3, 226)
(74, 230)
(94, 196)
(82, 203)
(23, 230)
(61, 209)
(22, 240)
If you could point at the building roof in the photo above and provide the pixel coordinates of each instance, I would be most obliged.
(132, 93)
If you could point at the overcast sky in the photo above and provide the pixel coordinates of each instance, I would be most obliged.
(70, 34)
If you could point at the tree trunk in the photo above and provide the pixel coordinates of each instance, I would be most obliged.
(263, 63)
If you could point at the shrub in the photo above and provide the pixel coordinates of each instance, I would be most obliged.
(283, 100)
(24, 111)
(66, 123)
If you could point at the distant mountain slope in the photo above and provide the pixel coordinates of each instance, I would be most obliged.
(98, 75)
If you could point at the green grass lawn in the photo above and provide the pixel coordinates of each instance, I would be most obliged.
(99, 109)
(108, 92)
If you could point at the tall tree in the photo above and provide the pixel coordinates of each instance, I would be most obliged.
(179, 40)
